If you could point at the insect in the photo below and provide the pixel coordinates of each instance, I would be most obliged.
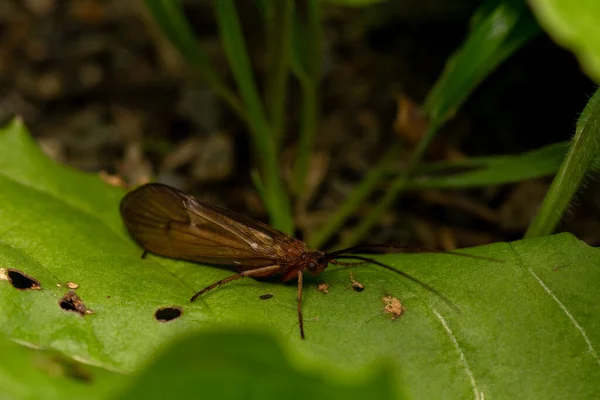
(170, 223)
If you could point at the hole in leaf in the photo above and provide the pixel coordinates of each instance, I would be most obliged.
(265, 296)
(20, 280)
(167, 314)
(73, 303)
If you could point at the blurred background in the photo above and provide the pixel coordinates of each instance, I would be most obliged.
(103, 90)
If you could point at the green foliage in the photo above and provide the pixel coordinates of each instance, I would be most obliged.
(575, 25)
(527, 325)
(169, 15)
(584, 151)
(500, 28)
(27, 373)
(355, 3)
(493, 170)
(218, 365)
(497, 32)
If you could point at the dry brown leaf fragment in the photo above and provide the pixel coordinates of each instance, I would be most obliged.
(411, 123)
(392, 306)
(113, 180)
(356, 285)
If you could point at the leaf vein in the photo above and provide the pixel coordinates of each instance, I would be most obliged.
(587, 340)
(477, 394)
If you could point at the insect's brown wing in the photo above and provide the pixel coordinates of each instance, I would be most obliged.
(166, 221)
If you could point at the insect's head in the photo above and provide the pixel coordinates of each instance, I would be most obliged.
(316, 262)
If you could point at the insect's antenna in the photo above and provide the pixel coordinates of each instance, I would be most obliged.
(397, 271)
(370, 247)
(402, 249)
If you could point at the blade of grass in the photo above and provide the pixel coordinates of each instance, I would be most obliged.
(276, 198)
(169, 16)
(391, 193)
(306, 64)
(279, 30)
(485, 171)
(494, 37)
(585, 148)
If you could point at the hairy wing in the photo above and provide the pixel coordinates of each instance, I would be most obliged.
(166, 221)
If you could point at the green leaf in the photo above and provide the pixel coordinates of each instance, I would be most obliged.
(527, 326)
(576, 26)
(27, 373)
(217, 364)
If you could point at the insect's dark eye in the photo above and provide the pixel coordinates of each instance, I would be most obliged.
(311, 265)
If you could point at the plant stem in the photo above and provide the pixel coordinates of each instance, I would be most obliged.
(391, 193)
(308, 71)
(584, 149)
(275, 196)
(319, 238)
(169, 15)
(279, 29)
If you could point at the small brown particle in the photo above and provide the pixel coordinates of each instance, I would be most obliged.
(72, 285)
(265, 296)
(356, 285)
(323, 287)
(113, 180)
(392, 306)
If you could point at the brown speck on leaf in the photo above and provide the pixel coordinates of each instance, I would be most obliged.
(73, 303)
(72, 285)
(113, 180)
(356, 285)
(323, 287)
(266, 296)
(392, 306)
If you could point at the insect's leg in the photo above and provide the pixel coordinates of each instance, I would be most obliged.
(259, 272)
(299, 298)
(144, 254)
